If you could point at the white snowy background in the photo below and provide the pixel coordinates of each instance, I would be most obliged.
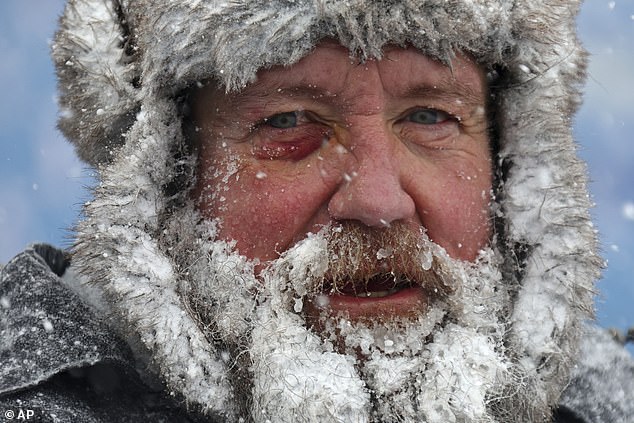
(43, 184)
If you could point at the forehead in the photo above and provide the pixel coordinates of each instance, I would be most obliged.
(330, 68)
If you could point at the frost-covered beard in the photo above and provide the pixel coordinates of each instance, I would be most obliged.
(449, 364)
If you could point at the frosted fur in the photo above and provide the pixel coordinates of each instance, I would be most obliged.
(118, 82)
(97, 96)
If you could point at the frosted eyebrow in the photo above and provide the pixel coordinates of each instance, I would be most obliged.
(448, 90)
(273, 93)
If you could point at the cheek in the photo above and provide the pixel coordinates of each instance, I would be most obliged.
(267, 205)
(468, 223)
(250, 211)
(454, 208)
(264, 210)
(474, 227)
(260, 223)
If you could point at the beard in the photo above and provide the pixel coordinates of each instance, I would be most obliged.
(288, 359)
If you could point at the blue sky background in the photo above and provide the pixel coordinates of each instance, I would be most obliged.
(43, 184)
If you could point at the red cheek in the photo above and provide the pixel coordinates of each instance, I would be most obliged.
(263, 222)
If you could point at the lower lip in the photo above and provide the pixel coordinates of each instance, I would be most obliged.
(406, 303)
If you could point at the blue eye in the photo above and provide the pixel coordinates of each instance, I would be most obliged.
(282, 120)
(427, 116)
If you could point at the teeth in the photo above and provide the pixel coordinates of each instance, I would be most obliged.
(378, 294)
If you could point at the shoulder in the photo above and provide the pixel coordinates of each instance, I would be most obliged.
(101, 393)
(602, 385)
(58, 357)
(45, 327)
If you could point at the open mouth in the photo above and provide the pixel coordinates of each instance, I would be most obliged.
(378, 286)
(382, 298)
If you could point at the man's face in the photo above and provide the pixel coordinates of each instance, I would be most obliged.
(400, 141)
(396, 308)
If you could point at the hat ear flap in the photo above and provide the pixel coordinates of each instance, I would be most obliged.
(97, 68)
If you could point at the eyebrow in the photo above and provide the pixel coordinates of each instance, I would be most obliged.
(448, 89)
(273, 91)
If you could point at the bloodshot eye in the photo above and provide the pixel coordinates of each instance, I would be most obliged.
(289, 136)
(428, 116)
(282, 120)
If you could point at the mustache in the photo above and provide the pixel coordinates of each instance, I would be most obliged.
(362, 259)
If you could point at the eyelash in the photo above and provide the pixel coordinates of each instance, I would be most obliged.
(300, 116)
(444, 116)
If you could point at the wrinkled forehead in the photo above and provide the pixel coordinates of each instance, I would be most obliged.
(400, 69)
(328, 72)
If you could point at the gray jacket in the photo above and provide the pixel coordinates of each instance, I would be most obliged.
(61, 362)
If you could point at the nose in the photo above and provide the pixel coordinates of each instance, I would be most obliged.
(373, 193)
